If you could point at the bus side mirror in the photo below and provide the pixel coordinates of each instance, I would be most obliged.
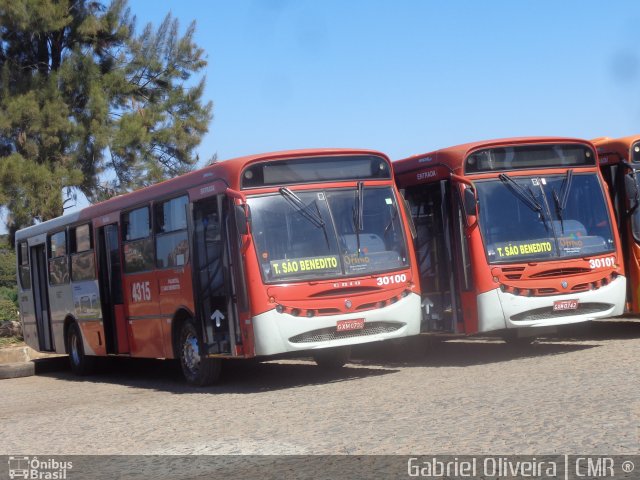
(243, 218)
(470, 202)
(631, 187)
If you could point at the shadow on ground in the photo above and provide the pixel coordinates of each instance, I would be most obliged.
(252, 376)
(238, 376)
(433, 351)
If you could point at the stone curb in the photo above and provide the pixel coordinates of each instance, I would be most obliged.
(17, 369)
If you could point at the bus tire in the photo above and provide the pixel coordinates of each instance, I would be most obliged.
(511, 338)
(332, 358)
(196, 370)
(81, 364)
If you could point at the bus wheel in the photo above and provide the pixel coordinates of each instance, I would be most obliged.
(332, 357)
(511, 337)
(81, 364)
(197, 370)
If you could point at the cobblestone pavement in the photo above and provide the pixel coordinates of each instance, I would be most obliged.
(575, 392)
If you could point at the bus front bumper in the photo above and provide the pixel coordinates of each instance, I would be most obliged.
(280, 332)
(498, 310)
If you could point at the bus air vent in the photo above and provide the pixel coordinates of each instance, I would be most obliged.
(340, 292)
(547, 291)
(546, 313)
(513, 273)
(561, 272)
(328, 311)
(328, 334)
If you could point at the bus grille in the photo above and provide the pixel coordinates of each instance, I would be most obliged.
(326, 334)
(547, 312)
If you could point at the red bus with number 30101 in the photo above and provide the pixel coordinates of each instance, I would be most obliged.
(304, 250)
(513, 236)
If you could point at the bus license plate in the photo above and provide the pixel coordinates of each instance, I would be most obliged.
(561, 305)
(346, 325)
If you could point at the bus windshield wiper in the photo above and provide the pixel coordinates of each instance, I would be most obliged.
(297, 202)
(562, 199)
(525, 195)
(360, 206)
(358, 214)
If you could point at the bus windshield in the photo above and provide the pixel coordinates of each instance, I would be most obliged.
(327, 233)
(525, 218)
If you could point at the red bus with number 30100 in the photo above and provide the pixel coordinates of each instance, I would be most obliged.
(305, 250)
(513, 236)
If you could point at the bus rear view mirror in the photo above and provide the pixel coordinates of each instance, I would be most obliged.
(470, 202)
(242, 218)
(631, 188)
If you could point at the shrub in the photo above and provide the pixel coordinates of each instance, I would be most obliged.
(8, 311)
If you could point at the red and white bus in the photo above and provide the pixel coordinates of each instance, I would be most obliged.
(619, 164)
(513, 236)
(255, 256)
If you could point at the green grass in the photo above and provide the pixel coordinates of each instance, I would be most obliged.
(10, 341)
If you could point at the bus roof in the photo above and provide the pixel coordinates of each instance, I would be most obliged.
(619, 146)
(455, 156)
(227, 171)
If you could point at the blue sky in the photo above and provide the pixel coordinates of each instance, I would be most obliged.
(407, 77)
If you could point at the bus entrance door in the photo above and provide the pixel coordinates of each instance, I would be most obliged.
(212, 292)
(111, 297)
(41, 297)
(431, 211)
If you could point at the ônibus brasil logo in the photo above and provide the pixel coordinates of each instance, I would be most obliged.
(41, 469)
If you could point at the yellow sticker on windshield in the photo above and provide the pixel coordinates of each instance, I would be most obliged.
(304, 265)
(524, 249)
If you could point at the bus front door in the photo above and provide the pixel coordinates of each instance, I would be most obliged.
(213, 295)
(111, 293)
(41, 297)
(431, 212)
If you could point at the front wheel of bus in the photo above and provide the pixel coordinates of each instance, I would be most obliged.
(511, 337)
(81, 364)
(332, 357)
(197, 370)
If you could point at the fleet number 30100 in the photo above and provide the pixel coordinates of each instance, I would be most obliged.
(391, 279)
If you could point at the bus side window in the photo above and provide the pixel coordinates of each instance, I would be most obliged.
(58, 262)
(172, 244)
(138, 243)
(82, 259)
(23, 268)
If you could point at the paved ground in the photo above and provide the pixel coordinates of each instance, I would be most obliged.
(577, 392)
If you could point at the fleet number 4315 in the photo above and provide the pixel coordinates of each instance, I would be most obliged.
(140, 292)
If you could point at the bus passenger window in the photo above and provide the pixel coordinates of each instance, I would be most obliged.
(172, 244)
(82, 259)
(58, 264)
(138, 244)
(23, 262)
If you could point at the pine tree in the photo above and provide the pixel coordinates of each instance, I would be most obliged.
(82, 95)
